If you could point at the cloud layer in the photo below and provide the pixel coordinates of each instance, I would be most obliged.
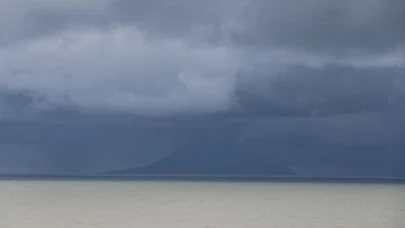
(326, 26)
(186, 56)
(121, 69)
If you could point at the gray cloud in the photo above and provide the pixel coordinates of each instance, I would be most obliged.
(329, 90)
(76, 75)
(158, 57)
(325, 26)
(41, 18)
(120, 69)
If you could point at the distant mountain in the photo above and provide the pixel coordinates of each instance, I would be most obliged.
(316, 147)
(215, 155)
(279, 158)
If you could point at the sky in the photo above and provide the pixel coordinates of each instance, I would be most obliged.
(71, 66)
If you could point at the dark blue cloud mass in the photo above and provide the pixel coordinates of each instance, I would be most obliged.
(307, 88)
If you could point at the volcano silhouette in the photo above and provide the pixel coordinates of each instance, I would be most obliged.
(219, 155)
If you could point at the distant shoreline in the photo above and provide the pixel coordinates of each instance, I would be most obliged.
(197, 178)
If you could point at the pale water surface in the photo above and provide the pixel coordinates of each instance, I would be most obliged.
(167, 204)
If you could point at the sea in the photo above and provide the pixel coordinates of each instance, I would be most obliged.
(199, 203)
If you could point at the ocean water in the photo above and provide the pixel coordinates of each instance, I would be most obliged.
(199, 204)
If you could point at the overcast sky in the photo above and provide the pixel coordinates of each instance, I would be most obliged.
(181, 56)
(274, 58)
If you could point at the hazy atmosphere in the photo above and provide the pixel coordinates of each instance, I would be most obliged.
(244, 87)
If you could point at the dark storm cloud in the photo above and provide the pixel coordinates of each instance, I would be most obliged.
(42, 18)
(77, 148)
(365, 144)
(326, 78)
(329, 90)
(325, 26)
(24, 20)
(182, 56)
(177, 18)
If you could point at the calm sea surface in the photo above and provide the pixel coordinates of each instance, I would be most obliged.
(199, 204)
